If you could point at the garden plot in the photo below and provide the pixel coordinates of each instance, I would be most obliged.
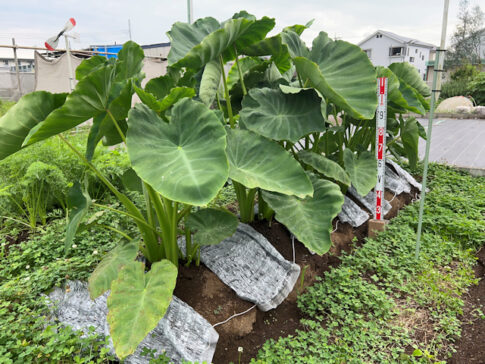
(290, 126)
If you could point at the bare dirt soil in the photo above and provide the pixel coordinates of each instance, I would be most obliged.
(471, 345)
(215, 301)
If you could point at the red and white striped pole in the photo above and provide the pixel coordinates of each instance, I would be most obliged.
(381, 121)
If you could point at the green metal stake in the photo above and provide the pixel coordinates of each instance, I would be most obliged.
(426, 156)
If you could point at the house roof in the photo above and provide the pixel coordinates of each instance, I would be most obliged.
(399, 38)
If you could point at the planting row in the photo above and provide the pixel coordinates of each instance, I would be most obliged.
(291, 126)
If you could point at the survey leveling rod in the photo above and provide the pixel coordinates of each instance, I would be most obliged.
(381, 120)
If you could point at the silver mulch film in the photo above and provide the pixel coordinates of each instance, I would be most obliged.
(182, 334)
(252, 267)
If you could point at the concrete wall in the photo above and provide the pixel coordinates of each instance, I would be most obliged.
(9, 86)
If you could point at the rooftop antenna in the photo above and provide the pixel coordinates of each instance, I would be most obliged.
(52, 43)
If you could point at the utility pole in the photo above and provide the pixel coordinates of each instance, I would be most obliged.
(438, 69)
(129, 28)
(17, 67)
(442, 46)
(190, 11)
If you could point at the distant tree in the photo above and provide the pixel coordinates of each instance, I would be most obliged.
(465, 41)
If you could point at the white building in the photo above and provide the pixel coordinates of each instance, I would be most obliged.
(384, 48)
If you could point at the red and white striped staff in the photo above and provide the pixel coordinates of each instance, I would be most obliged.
(381, 121)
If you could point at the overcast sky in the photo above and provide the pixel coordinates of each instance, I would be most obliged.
(31, 22)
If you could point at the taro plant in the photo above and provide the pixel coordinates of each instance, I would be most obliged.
(178, 158)
(317, 104)
(278, 125)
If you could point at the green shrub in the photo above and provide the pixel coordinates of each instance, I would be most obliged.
(477, 88)
(35, 181)
(455, 88)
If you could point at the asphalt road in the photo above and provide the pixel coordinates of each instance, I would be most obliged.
(460, 143)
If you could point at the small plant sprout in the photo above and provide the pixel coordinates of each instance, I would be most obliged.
(240, 351)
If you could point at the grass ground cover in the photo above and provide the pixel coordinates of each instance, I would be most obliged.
(380, 305)
(383, 306)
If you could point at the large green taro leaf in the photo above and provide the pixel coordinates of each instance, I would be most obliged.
(186, 36)
(209, 84)
(211, 226)
(107, 270)
(309, 219)
(174, 95)
(185, 159)
(325, 166)
(255, 161)
(16, 124)
(137, 302)
(130, 61)
(295, 44)
(412, 98)
(343, 74)
(274, 47)
(410, 75)
(195, 45)
(89, 65)
(160, 86)
(393, 93)
(89, 99)
(281, 116)
(362, 170)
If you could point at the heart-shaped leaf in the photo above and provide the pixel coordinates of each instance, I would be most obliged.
(362, 170)
(89, 65)
(309, 219)
(130, 61)
(274, 47)
(107, 270)
(410, 75)
(185, 159)
(255, 161)
(168, 101)
(295, 44)
(211, 226)
(194, 45)
(342, 73)
(89, 99)
(20, 119)
(280, 116)
(325, 166)
(160, 86)
(137, 302)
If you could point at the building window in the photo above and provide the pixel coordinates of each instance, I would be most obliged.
(396, 51)
(411, 59)
(5, 62)
(416, 50)
(368, 52)
(379, 36)
(422, 58)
